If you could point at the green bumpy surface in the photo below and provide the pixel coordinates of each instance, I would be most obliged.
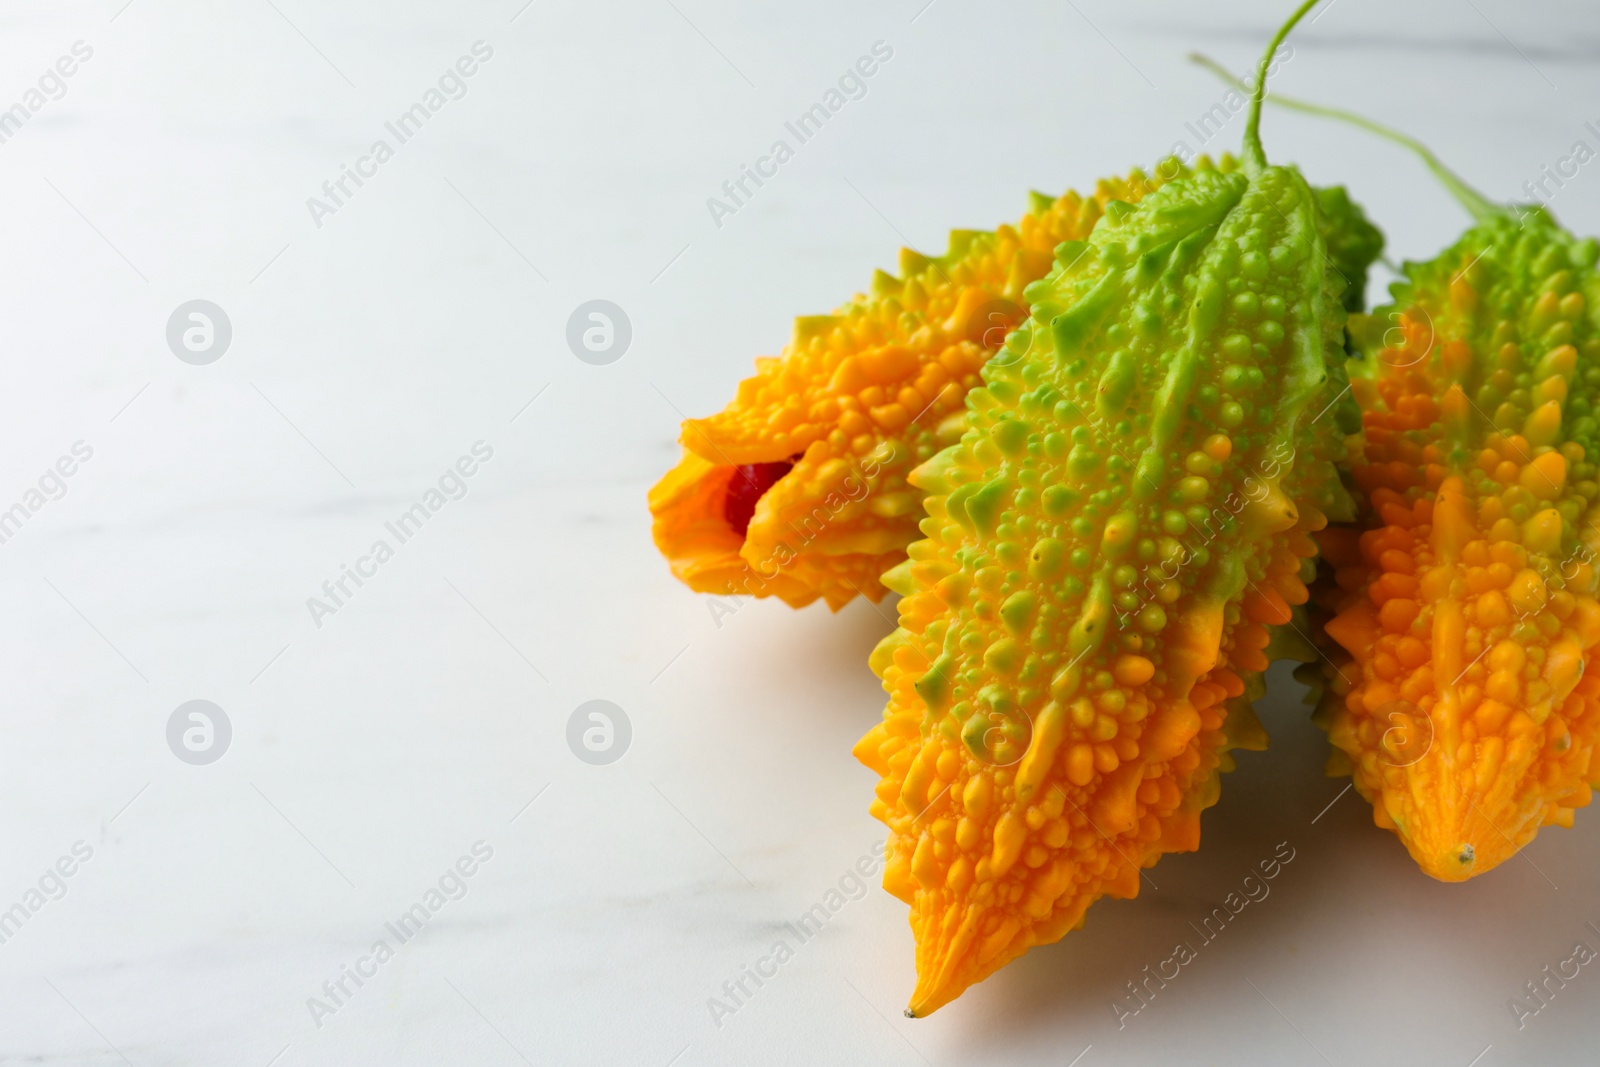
(1353, 242)
(1126, 516)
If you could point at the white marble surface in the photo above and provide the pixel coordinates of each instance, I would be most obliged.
(371, 753)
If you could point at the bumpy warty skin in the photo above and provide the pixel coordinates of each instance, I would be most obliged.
(1127, 514)
(1464, 620)
(855, 402)
(1353, 243)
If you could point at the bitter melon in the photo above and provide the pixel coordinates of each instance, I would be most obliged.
(798, 488)
(1464, 600)
(1127, 512)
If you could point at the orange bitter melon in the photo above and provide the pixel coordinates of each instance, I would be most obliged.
(1465, 600)
(798, 488)
(1127, 513)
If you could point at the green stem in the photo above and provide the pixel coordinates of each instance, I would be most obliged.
(1478, 206)
(1255, 159)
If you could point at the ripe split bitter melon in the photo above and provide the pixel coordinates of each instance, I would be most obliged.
(798, 488)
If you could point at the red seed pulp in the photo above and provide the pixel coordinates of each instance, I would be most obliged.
(748, 484)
